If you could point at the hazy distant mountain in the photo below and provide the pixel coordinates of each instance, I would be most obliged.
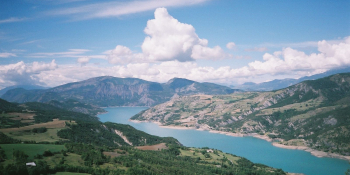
(279, 84)
(27, 87)
(112, 91)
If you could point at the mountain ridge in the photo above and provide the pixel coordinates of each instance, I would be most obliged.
(27, 87)
(114, 91)
(283, 83)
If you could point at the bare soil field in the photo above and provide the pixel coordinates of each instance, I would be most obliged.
(157, 147)
(54, 124)
(22, 116)
(116, 153)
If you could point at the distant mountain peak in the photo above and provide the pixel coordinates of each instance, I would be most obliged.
(114, 91)
(176, 79)
(176, 83)
(249, 83)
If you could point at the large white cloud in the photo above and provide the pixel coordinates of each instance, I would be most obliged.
(167, 40)
(123, 55)
(288, 62)
(21, 73)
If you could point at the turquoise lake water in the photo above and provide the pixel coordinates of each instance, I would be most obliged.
(256, 150)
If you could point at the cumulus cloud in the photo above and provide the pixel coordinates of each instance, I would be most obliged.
(231, 46)
(288, 62)
(122, 55)
(168, 40)
(202, 52)
(6, 55)
(21, 73)
(83, 60)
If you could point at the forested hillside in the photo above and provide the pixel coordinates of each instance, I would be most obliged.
(58, 140)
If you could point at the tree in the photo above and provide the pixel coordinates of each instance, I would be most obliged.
(19, 156)
(40, 168)
(15, 169)
(2, 155)
(47, 153)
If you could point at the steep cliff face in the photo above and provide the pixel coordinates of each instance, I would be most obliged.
(112, 91)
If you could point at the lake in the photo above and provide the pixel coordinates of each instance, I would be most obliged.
(256, 150)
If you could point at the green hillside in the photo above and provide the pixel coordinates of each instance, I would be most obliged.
(61, 141)
(312, 113)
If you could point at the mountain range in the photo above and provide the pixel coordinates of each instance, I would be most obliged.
(283, 83)
(112, 91)
(27, 87)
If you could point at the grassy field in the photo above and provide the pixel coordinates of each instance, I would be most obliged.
(215, 156)
(30, 149)
(71, 159)
(49, 136)
(153, 147)
(23, 117)
(25, 134)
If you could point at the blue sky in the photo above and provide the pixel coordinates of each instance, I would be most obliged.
(52, 42)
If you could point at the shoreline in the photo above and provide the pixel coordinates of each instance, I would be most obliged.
(255, 135)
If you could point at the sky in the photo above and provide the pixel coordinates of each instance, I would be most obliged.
(229, 42)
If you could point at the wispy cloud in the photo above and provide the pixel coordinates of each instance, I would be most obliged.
(63, 1)
(6, 55)
(30, 42)
(71, 53)
(116, 9)
(256, 49)
(12, 19)
(294, 45)
(18, 50)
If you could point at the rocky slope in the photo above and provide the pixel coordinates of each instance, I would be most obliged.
(112, 91)
(312, 113)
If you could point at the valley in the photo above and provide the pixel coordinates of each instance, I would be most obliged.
(310, 116)
(59, 140)
(178, 87)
